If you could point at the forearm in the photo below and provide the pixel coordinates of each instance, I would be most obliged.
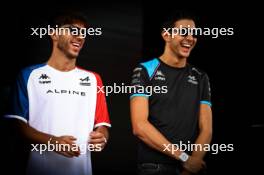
(153, 138)
(31, 134)
(145, 131)
(205, 130)
(204, 138)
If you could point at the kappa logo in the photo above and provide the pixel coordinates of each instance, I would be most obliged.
(44, 79)
(136, 75)
(159, 76)
(192, 79)
(85, 81)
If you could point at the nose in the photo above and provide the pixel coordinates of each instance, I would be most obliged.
(189, 37)
(80, 38)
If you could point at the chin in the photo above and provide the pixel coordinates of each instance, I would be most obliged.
(72, 56)
(184, 55)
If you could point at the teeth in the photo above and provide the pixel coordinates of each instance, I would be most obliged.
(76, 44)
(186, 45)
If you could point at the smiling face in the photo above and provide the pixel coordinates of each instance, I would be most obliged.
(70, 45)
(181, 45)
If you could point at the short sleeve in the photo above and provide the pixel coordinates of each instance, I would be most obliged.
(205, 91)
(101, 111)
(18, 102)
(139, 82)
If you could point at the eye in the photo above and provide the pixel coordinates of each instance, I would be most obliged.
(184, 32)
(77, 31)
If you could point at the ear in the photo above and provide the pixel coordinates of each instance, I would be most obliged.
(166, 36)
(54, 36)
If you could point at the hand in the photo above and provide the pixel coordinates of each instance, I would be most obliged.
(97, 138)
(66, 146)
(194, 164)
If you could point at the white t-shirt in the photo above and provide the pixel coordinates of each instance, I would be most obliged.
(60, 103)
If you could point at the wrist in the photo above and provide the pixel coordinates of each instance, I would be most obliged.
(183, 157)
(52, 140)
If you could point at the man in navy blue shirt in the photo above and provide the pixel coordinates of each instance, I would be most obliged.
(163, 121)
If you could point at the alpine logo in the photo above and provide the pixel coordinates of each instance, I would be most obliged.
(64, 91)
(44, 79)
(159, 76)
(85, 81)
(192, 79)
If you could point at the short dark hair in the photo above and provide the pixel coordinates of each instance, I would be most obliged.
(69, 17)
(169, 21)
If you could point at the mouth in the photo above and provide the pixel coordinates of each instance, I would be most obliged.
(186, 45)
(76, 45)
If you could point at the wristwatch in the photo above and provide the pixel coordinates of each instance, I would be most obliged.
(184, 157)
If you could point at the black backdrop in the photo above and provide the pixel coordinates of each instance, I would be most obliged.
(130, 34)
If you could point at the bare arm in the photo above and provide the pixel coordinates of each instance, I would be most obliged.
(205, 134)
(145, 131)
(37, 137)
(99, 136)
(205, 129)
(31, 134)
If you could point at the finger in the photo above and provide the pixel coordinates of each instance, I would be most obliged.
(69, 137)
(70, 141)
(98, 140)
(96, 135)
(70, 147)
(78, 151)
(72, 154)
(75, 151)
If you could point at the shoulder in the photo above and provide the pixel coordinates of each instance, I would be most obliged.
(25, 72)
(149, 66)
(89, 73)
(33, 67)
(197, 71)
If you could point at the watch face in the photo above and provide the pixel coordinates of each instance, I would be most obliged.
(183, 157)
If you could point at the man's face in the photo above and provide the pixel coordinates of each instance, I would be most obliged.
(69, 43)
(181, 45)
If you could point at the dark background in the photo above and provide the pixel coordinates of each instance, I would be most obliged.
(130, 34)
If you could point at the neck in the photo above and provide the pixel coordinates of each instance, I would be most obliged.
(172, 59)
(59, 61)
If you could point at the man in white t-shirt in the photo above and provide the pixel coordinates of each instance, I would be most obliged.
(59, 108)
